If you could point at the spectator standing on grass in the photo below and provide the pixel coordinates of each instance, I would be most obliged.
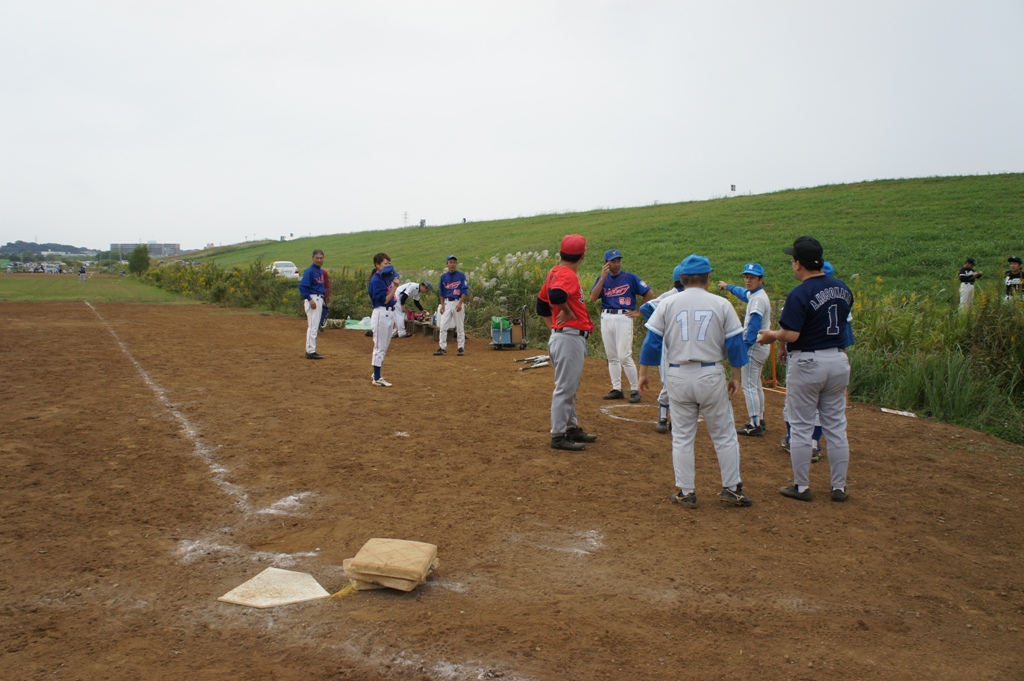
(620, 294)
(81, 273)
(759, 314)
(453, 291)
(560, 302)
(1014, 280)
(694, 331)
(383, 289)
(967, 278)
(311, 288)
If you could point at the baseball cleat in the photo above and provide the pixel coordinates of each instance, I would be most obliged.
(634, 396)
(736, 498)
(440, 351)
(662, 426)
(382, 382)
(687, 500)
(751, 429)
(784, 443)
(563, 442)
(461, 352)
(314, 355)
(577, 434)
(839, 495)
(614, 394)
(792, 491)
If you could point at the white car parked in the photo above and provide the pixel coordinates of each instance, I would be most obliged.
(285, 268)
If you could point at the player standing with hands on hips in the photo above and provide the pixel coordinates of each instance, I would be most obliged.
(696, 330)
(759, 315)
(453, 290)
(560, 302)
(312, 290)
(618, 292)
(382, 288)
(813, 323)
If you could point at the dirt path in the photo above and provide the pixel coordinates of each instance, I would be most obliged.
(155, 457)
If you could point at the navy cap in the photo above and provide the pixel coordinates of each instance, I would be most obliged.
(753, 268)
(428, 286)
(612, 254)
(971, 260)
(695, 264)
(451, 257)
(806, 249)
(1015, 258)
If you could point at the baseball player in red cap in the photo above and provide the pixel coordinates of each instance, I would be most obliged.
(561, 303)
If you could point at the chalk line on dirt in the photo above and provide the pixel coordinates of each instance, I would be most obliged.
(287, 506)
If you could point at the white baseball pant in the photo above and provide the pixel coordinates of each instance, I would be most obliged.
(966, 294)
(617, 335)
(382, 322)
(312, 320)
(448, 317)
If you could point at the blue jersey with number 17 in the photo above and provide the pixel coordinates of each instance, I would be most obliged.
(818, 309)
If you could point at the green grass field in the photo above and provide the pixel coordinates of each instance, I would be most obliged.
(36, 288)
(914, 234)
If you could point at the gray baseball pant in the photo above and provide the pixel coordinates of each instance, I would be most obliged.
(817, 381)
(567, 350)
(694, 389)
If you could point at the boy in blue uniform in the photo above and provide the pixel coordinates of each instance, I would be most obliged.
(382, 289)
(618, 292)
(452, 291)
(312, 290)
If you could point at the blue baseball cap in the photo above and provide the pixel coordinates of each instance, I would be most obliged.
(753, 268)
(451, 257)
(677, 273)
(612, 254)
(695, 264)
(828, 269)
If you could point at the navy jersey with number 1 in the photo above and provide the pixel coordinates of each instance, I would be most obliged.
(818, 309)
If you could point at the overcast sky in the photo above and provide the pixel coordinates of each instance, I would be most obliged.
(199, 121)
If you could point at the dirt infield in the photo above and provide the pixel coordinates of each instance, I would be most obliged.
(155, 457)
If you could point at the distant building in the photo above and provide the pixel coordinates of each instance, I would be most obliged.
(155, 250)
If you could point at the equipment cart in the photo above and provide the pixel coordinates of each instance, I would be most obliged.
(507, 333)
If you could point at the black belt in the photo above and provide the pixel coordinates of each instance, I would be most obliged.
(447, 298)
(615, 311)
(703, 364)
(572, 331)
(389, 307)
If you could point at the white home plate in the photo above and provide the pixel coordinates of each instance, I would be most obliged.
(273, 587)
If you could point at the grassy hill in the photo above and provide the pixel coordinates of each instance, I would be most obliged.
(914, 234)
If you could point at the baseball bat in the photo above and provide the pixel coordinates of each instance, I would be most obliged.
(535, 358)
(534, 366)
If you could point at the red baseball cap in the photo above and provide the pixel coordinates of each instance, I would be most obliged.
(573, 244)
